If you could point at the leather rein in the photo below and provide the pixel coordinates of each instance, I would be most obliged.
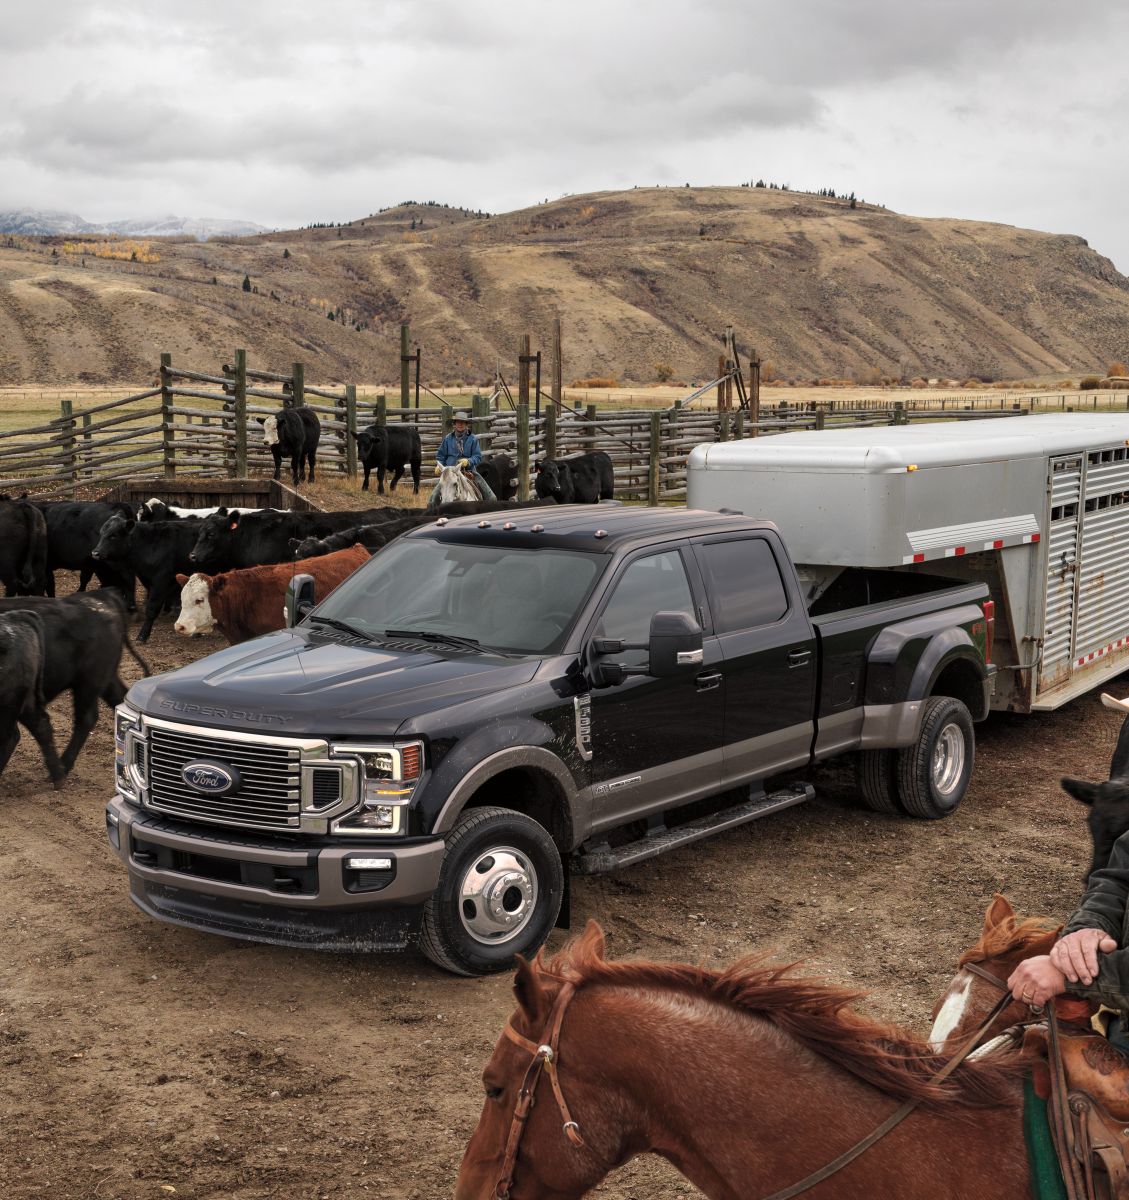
(545, 1058)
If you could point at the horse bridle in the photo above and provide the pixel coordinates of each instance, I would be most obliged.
(544, 1061)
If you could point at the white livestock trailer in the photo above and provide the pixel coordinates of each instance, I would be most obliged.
(1037, 507)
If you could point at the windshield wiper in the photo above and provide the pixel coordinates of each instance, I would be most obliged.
(427, 635)
(344, 626)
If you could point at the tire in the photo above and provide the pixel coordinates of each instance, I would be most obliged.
(933, 774)
(876, 773)
(499, 866)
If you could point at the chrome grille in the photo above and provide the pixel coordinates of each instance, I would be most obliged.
(267, 796)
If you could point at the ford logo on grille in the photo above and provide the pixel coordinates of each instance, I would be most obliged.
(213, 779)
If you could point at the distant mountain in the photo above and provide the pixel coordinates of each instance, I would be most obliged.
(34, 222)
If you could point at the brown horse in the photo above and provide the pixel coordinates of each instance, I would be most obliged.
(1004, 943)
(746, 1080)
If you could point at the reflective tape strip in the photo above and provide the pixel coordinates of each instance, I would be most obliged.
(1087, 658)
(1026, 539)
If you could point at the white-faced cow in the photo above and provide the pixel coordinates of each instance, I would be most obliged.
(382, 448)
(244, 604)
(293, 433)
(583, 479)
(1108, 802)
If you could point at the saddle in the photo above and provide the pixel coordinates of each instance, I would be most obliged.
(1087, 1081)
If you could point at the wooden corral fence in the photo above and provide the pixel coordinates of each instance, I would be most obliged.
(203, 424)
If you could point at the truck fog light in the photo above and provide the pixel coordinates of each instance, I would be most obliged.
(368, 864)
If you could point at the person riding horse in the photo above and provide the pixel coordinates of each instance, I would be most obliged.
(1091, 958)
(460, 448)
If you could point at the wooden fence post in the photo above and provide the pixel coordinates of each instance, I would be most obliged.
(350, 430)
(755, 392)
(405, 380)
(240, 411)
(550, 432)
(723, 426)
(86, 434)
(381, 415)
(168, 445)
(556, 385)
(66, 415)
(523, 451)
(590, 417)
(523, 371)
(298, 385)
(480, 410)
(653, 461)
(739, 424)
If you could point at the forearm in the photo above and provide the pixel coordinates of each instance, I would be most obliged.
(1111, 986)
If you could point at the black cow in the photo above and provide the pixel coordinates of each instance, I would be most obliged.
(73, 529)
(583, 479)
(372, 537)
(383, 448)
(1108, 817)
(156, 552)
(228, 541)
(23, 549)
(85, 634)
(500, 472)
(23, 656)
(293, 433)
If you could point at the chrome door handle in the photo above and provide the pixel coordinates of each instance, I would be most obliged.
(708, 681)
(799, 658)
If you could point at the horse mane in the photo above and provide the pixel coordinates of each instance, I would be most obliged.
(815, 1013)
(1009, 935)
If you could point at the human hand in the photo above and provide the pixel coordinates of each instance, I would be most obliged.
(1036, 980)
(438, 468)
(1076, 955)
(463, 462)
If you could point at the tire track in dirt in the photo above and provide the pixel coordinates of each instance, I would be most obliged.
(96, 315)
(42, 367)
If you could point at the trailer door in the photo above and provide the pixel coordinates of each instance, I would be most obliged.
(1064, 489)
(1102, 622)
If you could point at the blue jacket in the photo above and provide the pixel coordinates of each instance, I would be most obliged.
(449, 452)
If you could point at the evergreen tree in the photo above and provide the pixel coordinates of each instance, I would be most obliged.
(246, 283)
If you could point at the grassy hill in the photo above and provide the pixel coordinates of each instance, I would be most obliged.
(638, 278)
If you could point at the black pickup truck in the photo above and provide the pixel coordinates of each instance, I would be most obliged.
(489, 702)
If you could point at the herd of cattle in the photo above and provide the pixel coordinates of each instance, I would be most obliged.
(228, 568)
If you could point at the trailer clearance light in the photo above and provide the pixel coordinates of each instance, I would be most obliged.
(989, 607)
(912, 467)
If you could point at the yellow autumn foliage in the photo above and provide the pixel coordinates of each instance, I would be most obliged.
(125, 250)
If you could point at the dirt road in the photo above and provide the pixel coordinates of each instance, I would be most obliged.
(136, 1059)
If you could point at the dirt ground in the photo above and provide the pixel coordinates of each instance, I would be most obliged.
(139, 1061)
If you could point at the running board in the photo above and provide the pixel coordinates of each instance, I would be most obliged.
(602, 858)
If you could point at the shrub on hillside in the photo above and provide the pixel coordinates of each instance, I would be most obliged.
(1088, 382)
(768, 371)
(1117, 369)
(918, 383)
(971, 382)
(595, 382)
(664, 372)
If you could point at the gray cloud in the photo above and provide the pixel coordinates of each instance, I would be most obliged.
(286, 112)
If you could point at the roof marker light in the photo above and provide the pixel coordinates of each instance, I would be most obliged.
(537, 529)
(509, 525)
(912, 467)
(601, 533)
(441, 521)
(483, 524)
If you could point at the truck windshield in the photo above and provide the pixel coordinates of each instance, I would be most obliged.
(503, 598)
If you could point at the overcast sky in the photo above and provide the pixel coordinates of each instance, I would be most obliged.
(287, 113)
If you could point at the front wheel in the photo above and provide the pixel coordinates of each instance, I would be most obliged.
(934, 773)
(498, 895)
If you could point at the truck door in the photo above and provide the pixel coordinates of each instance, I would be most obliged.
(655, 742)
(769, 656)
(1064, 488)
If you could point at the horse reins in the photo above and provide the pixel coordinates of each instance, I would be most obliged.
(545, 1057)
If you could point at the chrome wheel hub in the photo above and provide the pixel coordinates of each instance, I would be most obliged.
(498, 895)
(948, 759)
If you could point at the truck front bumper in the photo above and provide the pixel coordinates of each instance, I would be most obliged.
(270, 890)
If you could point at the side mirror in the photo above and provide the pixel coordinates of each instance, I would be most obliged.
(299, 599)
(675, 644)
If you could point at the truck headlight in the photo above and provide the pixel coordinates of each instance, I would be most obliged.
(129, 752)
(389, 776)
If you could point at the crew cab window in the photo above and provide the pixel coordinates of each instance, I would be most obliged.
(653, 584)
(743, 583)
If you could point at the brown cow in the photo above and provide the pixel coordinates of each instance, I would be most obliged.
(248, 602)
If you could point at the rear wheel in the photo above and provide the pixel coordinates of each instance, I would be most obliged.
(876, 773)
(498, 896)
(934, 773)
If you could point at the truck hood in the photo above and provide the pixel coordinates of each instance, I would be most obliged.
(304, 683)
